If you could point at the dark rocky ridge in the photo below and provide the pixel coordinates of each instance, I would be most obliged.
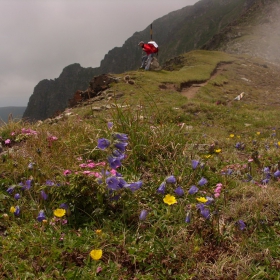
(51, 96)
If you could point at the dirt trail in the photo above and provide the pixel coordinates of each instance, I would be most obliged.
(190, 90)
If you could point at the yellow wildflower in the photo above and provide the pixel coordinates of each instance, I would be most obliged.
(169, 199)
(59, 212)
(96, 254)
(231, 135)
(201, 199)
(98, 231)
(218, 151)
(258, 133)
(12, 209)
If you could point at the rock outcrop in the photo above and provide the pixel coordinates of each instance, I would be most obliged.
(51, 96)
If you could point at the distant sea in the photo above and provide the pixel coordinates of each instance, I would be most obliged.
(15, 112)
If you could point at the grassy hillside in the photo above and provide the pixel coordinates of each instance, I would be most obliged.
(169, 176)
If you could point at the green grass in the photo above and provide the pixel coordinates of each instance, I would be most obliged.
(166, 132)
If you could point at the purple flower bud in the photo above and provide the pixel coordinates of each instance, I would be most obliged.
(16, 213)
(205, 213)
(170, 180)
(49, 183)
(103, 143)
(277, 174)
(143, 215)
(193, 189)
(41, 216)
(27, 185)
(200, 206)
(161, 188)
(188, 217)
(17, 196)
(10, 189)
(121, 146)
(179, 191)
(44, 195)
(121, 136)
(195, 164)
(209, 201)
(110, 125)
(30, 166)
(229, 172)
(241, 225)
(238, 145)
(63, 206)
(202, 181)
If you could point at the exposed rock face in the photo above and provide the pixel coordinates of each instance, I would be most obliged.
(96, 86)
(51, 96)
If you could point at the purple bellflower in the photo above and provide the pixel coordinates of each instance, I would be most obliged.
(134, 186)
(162, 188)
(179, 191)
(143, 215)
(17, 212)
(10, 189)
(193, 189)
(121, 136)
(241, 224)
(112, 183)
(202, 181)
(195, 164)
(44, 195)
(41, 216)
(170, 180)
(103, 143)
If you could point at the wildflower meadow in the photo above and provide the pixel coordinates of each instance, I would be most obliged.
(184, 190)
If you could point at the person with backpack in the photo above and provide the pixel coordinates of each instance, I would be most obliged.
(150, 49)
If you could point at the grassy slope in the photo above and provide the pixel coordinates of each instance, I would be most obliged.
(166, 131)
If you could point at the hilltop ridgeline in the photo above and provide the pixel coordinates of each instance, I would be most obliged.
(191, 28)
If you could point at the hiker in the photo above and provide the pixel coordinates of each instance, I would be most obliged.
(150, 49)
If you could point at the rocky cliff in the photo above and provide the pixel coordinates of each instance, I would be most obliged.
(51, 96)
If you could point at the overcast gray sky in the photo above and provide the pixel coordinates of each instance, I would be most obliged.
(38, 38)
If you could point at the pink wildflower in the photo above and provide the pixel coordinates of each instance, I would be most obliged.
(91, 165)
(7, 142)
(67, 172)
(113, 172)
